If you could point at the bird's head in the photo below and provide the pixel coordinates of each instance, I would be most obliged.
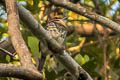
(60, 20)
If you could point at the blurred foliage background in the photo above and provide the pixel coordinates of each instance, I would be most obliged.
(98, 54)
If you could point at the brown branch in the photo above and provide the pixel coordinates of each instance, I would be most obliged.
(105, 53)
(88, 29)
(69, 63)
(10, 70)
(16, 36)
(87, 13)
(105, 61)
(7, 48)
(76, 49)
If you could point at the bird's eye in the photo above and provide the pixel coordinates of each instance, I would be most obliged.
(56, 18)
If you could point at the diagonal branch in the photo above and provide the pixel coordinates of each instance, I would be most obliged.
(87, 13)
(69, 63)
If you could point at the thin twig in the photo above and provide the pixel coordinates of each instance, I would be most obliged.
(7, 48)
(105, 53)
(76, 49)
(9, 53)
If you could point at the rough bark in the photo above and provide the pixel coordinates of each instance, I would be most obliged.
(10, 70)
(15, 34)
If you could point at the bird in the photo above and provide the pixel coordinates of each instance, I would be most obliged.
(57, 29)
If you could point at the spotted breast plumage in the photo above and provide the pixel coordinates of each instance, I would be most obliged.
(57, 29)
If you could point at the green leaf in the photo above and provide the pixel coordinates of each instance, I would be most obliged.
(33, 45)
(79, 59)
(86, 58)
(7, 58)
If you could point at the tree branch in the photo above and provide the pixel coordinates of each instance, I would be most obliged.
(16, 36)
(10, 70)
(87, 13)
(88, 29)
